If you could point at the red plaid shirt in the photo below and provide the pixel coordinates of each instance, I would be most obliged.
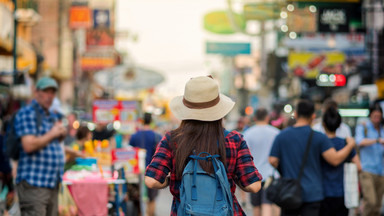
(239, 163)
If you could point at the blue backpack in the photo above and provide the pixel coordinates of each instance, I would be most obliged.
(202, 193)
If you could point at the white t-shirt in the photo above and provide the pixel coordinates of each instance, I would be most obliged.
(343, 131)
(259, 139)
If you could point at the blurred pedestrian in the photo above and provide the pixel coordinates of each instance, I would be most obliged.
(287, 154)
(102, 132)
(343, 131)
(201, 110)
(147, 139)
(259, 138)
(41, 163)
(71, 134)
(370, 139)
(333, 176)
(76, 148)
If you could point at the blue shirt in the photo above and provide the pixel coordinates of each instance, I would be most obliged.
(289, 147)
(148, 140)
(333, 177)
(371, 156)
(45, 167)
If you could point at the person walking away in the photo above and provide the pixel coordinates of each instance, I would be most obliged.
(201, 110)
(333, 176)
(287, 153)
(41, 162)
(370, 139)
(147, 139)
(343, 131)
(259, 138)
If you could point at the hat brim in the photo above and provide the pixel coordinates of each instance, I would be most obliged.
(213, 113)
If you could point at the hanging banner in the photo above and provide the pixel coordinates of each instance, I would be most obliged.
(80, 17)
(101, 19)
(107, 111)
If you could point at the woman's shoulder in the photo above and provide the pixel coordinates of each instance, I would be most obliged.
(233, 137)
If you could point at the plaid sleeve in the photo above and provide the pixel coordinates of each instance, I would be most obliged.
(246, 171)
(161, 163)
(25, 122)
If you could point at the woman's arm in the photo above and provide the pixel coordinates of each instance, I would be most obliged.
(253, 188)
(356, 160)
(154, 184)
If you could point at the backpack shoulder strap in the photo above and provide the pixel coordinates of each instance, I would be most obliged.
(226, 132)
(39, 118)
(305, 155)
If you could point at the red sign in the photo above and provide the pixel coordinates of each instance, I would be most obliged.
(80, 17)
(100, 37)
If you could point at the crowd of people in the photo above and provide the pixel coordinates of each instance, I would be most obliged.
(254, 152)
(333, 144)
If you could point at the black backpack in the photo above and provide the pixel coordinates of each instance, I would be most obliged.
(12, 141)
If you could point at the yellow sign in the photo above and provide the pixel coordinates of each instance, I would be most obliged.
(309, 65)
(218, 22)
(380, 88)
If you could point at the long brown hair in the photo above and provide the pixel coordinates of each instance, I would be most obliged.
(193, 137)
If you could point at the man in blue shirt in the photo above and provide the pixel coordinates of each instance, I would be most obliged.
(287, 154)
(41, 162)
(147, 139)
(370, 138)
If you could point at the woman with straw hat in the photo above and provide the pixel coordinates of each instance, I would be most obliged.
(201, 110)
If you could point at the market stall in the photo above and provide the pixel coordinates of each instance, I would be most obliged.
(100, 187)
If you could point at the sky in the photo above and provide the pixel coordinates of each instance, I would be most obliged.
(171, 38)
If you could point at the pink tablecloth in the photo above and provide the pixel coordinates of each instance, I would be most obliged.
(90, 192)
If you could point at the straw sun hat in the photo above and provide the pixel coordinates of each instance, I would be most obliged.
(201, 101)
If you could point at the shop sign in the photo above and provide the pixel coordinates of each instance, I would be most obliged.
(331, 80)
(309, 65)
(130, 158)
(80, 17)
(321, 41)
(79, 3)
(302, 20)
(99, 37)
(101, 18)
(333, 20)
(107, 111)
(262, 11)
(97, 60)
(228, 49)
